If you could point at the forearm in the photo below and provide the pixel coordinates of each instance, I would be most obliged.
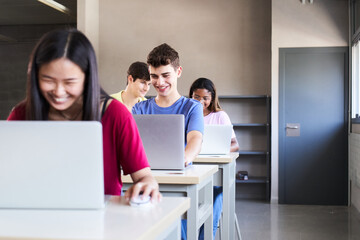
(234, 145)
(193, 147)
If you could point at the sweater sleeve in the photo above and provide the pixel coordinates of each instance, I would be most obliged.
(17, 113)
(122, 140)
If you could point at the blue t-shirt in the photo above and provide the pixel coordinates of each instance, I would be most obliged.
(190, 108)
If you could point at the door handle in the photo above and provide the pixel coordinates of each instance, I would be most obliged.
(292, 127)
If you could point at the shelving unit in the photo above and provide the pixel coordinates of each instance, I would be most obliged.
(241, 125)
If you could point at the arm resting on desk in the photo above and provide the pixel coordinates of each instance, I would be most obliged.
(234, 145)
(144, 182)
(193, 147)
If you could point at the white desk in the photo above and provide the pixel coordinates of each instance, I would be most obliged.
(116, 221)
(225, 177)
(195, 182)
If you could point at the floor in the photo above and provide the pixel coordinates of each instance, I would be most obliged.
(259, 220)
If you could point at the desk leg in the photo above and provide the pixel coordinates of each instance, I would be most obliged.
(192, 213)
(228, 223)
(232, 179)
(208, 224)
(226, 203)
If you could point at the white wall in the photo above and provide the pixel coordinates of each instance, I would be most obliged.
(88, 21)
(321, 24)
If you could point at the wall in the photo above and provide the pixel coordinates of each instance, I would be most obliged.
(226, 41)
(354, 174)
(321, 24)
(14, 58)
(88, 21)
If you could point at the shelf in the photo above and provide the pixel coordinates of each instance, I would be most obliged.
(253, 152)
(263, 125)
(243, 96)
(254, 180)
(250, 125)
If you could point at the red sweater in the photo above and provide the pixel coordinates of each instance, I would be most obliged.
(122, 144)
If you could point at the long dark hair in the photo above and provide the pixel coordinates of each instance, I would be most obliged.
(73, 45)
(204, 83)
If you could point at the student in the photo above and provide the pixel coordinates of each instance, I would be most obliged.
(63, 85)
(137, 85)
(165, 69)
(204, 90)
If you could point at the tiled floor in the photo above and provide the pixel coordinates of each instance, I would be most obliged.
(259, 220)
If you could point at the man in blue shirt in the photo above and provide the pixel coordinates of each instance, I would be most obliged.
(165, 69)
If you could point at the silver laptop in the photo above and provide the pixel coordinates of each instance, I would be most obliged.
(216, 139)
(163, 137)
(51, 165)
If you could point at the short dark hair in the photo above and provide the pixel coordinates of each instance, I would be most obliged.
(204, 83)
(73, 45)
(139, 70)
(163, 55)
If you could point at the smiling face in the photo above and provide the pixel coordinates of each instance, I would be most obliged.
(61, 83)
(164, 79)
(139, 87)
(204, 97)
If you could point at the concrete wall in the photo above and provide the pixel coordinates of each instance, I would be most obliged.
(321, 24)
(226, 41)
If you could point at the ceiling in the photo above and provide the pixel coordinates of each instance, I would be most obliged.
(32, 12)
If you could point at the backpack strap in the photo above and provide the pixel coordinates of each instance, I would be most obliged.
(104, 106)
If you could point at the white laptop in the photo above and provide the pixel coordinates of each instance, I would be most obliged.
(51, 165)
(163, 137)
(216, 139)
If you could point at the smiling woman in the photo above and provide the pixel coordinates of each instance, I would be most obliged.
(63, 85)
(61, 82)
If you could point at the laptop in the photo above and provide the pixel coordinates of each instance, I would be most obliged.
(216, 139)
(51, 165)
(163, 137)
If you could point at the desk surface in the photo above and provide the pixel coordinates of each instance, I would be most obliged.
(192, 175)
(212, 158)
(117, 221)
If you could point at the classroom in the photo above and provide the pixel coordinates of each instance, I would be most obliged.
(287, 74)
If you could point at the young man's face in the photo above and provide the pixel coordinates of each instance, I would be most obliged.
(164, 79)
(139, 87)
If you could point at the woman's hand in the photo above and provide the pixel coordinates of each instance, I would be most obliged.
(145, 184)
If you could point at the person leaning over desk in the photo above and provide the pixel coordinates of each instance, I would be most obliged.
(63, 85)
(165, 69)
(137, 85)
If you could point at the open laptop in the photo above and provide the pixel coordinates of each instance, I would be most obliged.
(216, 139)
(51, 165)
(163, 137)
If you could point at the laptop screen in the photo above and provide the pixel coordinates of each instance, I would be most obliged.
(163, 137)
(51, 164)
(216, 139)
